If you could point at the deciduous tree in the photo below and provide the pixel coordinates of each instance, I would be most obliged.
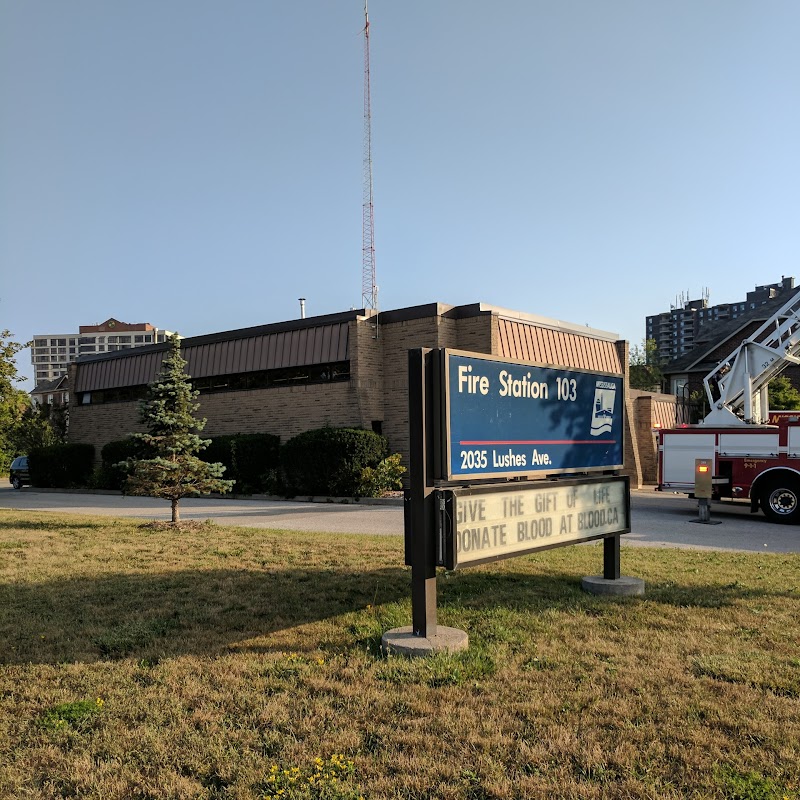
(13, 401)
(645, 367)
(782, 395)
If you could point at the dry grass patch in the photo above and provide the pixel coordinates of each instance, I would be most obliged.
(215, 662)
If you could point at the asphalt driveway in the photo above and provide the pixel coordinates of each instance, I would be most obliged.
(657, 519)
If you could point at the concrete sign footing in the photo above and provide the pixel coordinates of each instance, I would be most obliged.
(402, 641)
(624, 585)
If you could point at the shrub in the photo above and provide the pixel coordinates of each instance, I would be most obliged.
(103, 478)
(220, 451)
(61, 466)
(110, 474)
(249, 458)
(330, 461)
(255, 455)
(386, 477)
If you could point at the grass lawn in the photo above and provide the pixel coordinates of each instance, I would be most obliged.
(242, 663)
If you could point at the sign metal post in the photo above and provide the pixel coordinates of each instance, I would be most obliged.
(420, 544)
(611, 561)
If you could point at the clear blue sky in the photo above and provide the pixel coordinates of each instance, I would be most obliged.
(197, 164)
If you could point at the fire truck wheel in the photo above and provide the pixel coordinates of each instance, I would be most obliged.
(781, 501)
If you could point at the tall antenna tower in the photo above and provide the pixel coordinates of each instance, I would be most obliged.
(369, 289)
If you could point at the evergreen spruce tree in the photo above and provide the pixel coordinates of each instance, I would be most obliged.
(173, 469)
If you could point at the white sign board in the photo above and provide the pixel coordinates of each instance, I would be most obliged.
(490, 524)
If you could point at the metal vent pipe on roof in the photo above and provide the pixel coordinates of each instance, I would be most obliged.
(302, 307)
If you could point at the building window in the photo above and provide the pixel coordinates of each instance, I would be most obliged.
(274, 378)
(124, 394)
(40, 342)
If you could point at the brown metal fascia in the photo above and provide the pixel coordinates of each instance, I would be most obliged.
(294, 348)
(266, 352)
(285, 348)
(308, 355)
(331, 348)
(249, 355)
(218, 357)
(274, 327)
(316, 354)
(529, 342)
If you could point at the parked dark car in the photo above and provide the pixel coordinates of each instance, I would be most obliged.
(18, 474)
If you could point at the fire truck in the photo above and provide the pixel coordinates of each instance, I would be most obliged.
(755, 453)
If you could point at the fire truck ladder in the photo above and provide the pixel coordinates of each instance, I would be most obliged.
(737, 387)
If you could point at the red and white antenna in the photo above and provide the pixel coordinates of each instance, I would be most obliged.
(369, 289)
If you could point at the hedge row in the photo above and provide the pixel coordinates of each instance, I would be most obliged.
(330, 461)
(110, 475)
(338, 462)
(249, 458)
(61, 466)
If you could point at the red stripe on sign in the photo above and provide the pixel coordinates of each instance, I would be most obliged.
(549, 441)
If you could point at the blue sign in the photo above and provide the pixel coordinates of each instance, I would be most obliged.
(507, 419)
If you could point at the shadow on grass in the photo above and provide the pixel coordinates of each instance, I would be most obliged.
(210, 612)
(55, 525)
(563, 590)
(152, 616)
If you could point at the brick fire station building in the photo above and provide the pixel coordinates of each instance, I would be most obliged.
(346, 369)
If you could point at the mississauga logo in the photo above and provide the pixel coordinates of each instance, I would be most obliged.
(605, 395)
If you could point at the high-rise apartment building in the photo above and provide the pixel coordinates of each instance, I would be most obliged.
(52, 353)
(674, 331)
